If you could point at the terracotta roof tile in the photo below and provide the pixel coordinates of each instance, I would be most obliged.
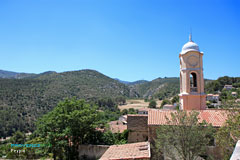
(117, 126)
(216, 117)
(128, 151)
(137, 115)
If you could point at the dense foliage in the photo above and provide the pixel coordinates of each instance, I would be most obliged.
(183, 137)
(72, 123)
(165, 101)
(228, 135)
(158, 88)
(152, 104)
(28, 99)
(218, 85)
(11, 120)
(33, 95)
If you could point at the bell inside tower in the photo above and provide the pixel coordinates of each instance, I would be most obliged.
(193, 82)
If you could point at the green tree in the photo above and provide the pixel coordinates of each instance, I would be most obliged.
(120, 100)
(165, 101)
(71, 123)
(18, 138)
(213, 87)
(132, 111)
(183, 137)
(227, 136)
(107, 104)
(152, 104)
(124, 111)
(175, 99)
(110, 138)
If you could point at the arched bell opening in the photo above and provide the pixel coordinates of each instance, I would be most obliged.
(193, 82)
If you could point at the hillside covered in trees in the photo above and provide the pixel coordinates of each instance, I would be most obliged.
(158, 88)
(23, 99)
(218, 85)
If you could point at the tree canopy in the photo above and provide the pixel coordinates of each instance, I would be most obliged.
(71, 123)
(228, 135)
(152, 104)
(183, 137)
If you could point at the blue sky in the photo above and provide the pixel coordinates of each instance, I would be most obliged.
(125, 39)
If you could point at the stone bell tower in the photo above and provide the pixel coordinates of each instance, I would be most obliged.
(192, 96)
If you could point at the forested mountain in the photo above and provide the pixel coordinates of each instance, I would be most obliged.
(132, 83)
(217, 85)
(138, 82)
(14, 75)
(26, 97)
(157, 88)
(22, 101)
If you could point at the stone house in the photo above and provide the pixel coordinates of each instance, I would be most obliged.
(234, 94)
(228, 87)
(212, 97)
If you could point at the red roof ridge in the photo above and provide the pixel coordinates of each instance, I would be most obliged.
(136, 115)
(216, 117)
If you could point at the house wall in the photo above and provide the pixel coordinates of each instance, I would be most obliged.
(92, 151)
(138, 128)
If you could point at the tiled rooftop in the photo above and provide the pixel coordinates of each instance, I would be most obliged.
(117, 126)
(128, 151)
(216, 117)
(137, 115)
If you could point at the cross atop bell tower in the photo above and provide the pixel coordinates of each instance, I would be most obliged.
(190, 37)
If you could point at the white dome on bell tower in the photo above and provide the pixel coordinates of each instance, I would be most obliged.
(190, 46)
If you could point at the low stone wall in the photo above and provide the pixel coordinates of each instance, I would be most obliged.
(91, 151)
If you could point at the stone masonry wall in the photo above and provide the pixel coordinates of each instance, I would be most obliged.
(138, 128)
(91, 151)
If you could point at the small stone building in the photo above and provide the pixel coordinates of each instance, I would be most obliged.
(212, 97)
(228, 87)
